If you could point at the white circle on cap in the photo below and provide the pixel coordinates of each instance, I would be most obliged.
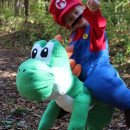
(60, 4)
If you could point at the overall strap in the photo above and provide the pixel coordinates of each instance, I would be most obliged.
(71, 36)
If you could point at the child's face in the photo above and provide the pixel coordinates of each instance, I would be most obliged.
(71, 16)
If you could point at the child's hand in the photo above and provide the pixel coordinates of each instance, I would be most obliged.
(93, 5)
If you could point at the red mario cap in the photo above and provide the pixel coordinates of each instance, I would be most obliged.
(58, 8)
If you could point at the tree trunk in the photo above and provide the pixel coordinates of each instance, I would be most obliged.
(5, 3)
(0, 7)
(2, 2)
(26, 5)
(8, 3)
(16, 8)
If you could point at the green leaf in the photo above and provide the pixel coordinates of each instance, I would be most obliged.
(8, 122)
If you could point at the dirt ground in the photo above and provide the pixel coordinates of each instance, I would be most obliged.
(16, 113)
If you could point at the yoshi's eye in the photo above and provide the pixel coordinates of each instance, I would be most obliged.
(34, 53)
(44, 52)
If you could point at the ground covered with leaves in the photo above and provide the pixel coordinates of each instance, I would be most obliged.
(17, 113)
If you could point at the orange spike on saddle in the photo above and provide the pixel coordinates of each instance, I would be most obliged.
(76, 68)
(59, 38)
(69, 50)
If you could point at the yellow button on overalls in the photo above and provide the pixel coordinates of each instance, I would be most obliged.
(85, 36)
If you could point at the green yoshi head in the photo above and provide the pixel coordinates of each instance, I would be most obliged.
(36, 76)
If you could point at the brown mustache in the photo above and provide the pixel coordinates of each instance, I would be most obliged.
(76, 21)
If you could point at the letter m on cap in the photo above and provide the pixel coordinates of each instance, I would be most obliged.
(60, 4)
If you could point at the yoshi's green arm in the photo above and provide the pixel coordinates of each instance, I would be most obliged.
(80, 112)
(49, 116)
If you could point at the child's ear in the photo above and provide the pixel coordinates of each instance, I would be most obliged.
(59, 38)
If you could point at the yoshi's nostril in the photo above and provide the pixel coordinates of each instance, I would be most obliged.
(24, 70)
(19, 70)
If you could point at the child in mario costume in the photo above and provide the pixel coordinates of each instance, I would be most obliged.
(91, 51)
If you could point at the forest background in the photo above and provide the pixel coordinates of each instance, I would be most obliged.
(29, 21)
(22, 23)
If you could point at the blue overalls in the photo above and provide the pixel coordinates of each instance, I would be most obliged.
(98, 75)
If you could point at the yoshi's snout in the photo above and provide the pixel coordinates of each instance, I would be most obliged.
(35, 80)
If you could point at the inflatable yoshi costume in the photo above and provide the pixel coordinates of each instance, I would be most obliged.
(48, 76)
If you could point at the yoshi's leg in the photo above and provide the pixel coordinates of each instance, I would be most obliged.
(49, 116)
(80, 112)
(99, 116)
